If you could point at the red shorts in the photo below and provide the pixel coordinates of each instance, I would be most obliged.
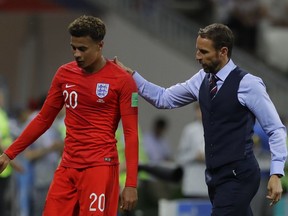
(83, 192)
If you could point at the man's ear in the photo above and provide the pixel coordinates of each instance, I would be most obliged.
(101, 44)
(224, 51)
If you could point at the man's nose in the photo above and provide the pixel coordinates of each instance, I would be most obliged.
(76, 53)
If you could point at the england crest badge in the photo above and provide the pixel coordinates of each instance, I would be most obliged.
(102, 89)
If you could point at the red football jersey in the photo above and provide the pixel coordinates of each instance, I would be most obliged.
(94, 105)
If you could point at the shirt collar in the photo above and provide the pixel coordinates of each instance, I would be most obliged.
(225, 71)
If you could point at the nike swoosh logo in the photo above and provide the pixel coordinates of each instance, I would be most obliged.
(69, 86)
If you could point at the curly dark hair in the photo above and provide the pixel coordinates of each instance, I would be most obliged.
(220, 34)
(88, 26)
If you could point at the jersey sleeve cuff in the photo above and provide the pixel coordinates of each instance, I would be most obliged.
(8, 155)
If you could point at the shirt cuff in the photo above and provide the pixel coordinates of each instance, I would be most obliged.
(277, 167)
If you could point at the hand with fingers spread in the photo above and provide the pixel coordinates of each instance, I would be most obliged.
(129, 198)
(274, 189)
(129, 70)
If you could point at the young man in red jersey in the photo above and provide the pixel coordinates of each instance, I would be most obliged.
(96, 93)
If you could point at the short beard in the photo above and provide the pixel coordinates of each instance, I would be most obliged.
(213, 67)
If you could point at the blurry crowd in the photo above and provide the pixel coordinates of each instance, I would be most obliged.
(252, 21)
(24, 185)
(260, 26)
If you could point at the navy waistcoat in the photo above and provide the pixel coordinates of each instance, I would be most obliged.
(228, 126)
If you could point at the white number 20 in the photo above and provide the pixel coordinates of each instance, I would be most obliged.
(95, 199)
(71, 99)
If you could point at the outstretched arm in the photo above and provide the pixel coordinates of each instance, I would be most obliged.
(175, 96)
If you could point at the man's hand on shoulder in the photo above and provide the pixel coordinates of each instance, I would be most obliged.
(129, 70)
